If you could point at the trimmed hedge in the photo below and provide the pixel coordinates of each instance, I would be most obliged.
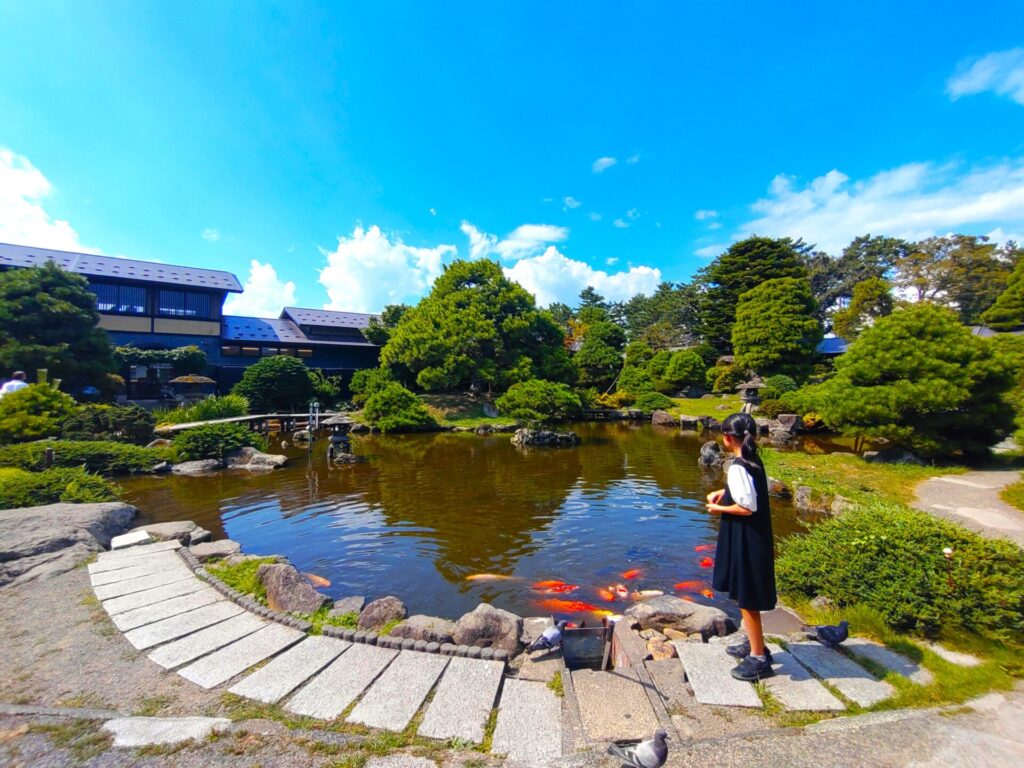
(99, 456)
(537, 400)
(215, 441)
(65, 484)
(33, 412)
(120, 423)
(393, 408)
(653, 401)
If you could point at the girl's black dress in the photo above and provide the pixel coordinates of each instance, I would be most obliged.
(745, 558)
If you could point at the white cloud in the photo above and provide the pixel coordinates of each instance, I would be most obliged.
(710, 251)
(369, 270)
(1001, 72)
(571, 202)
(480, 243)
(704, 214)
(594, 216)
(611, 261)
(211, 235)
(633, 214)
(633, 159)
(265, 295)
(998, 236)
(715, 225)
(23, 219)
(603, 164)
(528, 240)
(433, 211)
(552, 277)
(620, 224)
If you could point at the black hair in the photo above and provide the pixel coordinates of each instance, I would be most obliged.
(743, 427)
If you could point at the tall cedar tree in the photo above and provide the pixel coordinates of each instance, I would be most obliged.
(1007, 313)
(776, 331)
(833, 280)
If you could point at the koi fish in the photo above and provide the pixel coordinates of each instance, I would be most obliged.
(706, 562)
(687, 598)
(562, 589)
(567, 606)
(693, 586)
(620, 591)
(704, 548)
(646, 594)
(316, 581)
(708, 594)
(488, 577)
(600, 612)
(607, 595)
(632, 573)
(549, 584)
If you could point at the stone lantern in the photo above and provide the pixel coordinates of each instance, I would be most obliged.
(750, 393)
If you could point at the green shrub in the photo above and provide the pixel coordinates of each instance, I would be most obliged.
(537, 400)
(394, 408)
(276, 384)
(125, 424)
(326, 389)
(635, 381)
(183, 360)
(207, 409)
(65, 484)
(724, 378)
(771, 409)
(891, 558)
(99, 456)
(638, 353)
(33, 412)
(215, 441)
(685, 369)
(367, 381)
(778, 385)
(653, 401)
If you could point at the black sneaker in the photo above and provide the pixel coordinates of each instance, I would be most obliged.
(742, 650)
(751, 670)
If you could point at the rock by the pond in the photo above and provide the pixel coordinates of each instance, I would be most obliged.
(661, 650)
(200, 467)
(894, 455)
(484, 429)
(288, 590)
(210, 550)
(711, 455)
(358, 428)
(250, 458)
(348, 458)
(490, 627)
(352, 604)
(778, 488)
(763, 425)
(663, 419)
(39, 542)
(160, 442)
(380, 612)
(301, 436)
(542, 437)
(198, 536)
(180, 530)
(669, 611)
(709, 422)
(490, 411)
(429, 628)
(786, 422)
(840, 505)
(822, 603)
(689, 422)
(161, 468)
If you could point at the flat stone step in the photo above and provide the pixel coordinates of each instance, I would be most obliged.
(147, 568)
(147, 614)
(709, 671)
(149, 731)
(121, 563)
(529, 729)
(182, 624)
(206, 641)
(842, 673)
(614, 705)
(291, 669)
(332, 691)
(959, 658)
(131, 539)
(220, 666)
(796, 688)
(397, 694)
(150, 596)
(464, 700)
(142, 583)
(863, 648)
(117, 558)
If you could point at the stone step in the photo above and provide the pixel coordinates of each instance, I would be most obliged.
(842, 673)
(795, 688)
(148, 566)
(291, 669)
(156, 559)
(117, 558)
(142, 583)
(614, 705)
(183, 624)
(397, 694)
(709, 671)
(332, 691)
(863, 648)
(147, 614)
(529, 729)
(150, 596)
(151, 731)
(206, 641)
(959, 658)
(132, 539)
(463, 701)
(220, 666)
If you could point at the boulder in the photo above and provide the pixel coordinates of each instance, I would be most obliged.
(778, 488)
(198, 536)
(288, 590)
(840, 505)
(660, 650)
(41, 542)
(380, 612)
(822, 603)
(347, 605)
(200, 467)
(689, 423)
(250, 458)
(490, 411)
(764, 426)
(211, 550)
(161, 468)
(664, 419)
(358, 428)
(709, 422)
(786, 422)
(429, 628)
(672, 612)
(484, 429)
(180, 530)
(894, 455)
(542, 437)
(711, 455)
(489, 627)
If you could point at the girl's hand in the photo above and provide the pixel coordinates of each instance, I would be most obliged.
(715, 496)
(714, 508)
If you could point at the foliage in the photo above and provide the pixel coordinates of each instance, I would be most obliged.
(276, 384)
(120, 423)
(99, 456)
(685, 369)
(614, 400)
(216, 441)
(635, 381)
(725, 378)
(64, 484)
(33, 412)
(778, 385)
(367, 381)
(920, 379)
(1011, 349)
(1014, 494)
(393, 408)
(667, 318)
(599, 358)
(379, 329)
(871, 300)
(1007, 313)
(242, 576)
(638, 353)
(771, 408)
(833, 280)
(183, 360)
(49, 319)
(653, 401)
(207, 409)
(537, 400)
(891, 558)
(657, 367)
(776, 330)
(326, 389)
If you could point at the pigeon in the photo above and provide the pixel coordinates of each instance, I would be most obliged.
(646, 754)
(830, 636)
(551, 637)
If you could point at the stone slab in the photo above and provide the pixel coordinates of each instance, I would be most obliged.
(220, 666)
(182, 624)
(529, 728)
(206, 641)
(142, 583)
(796, 688)
(155, 559)
(332, 691)
(959, 658)
(782, 621)
(709, 672)
(291, 669)
(146, 568)
(126, 540)
(150, 596)
(842, 673)
(463, 701)
(614, 705)
(147, 731)
(863, 648)
(147, 614)
(400, 761)
(118, 557)
(397, 694)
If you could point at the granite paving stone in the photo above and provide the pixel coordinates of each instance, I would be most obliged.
(709, 672)
(895, 662)
(397, 694)
(154, 560)
(206, 641)
(842, 673)
(142, 583)
(182, 624)
(147, 597)
(332, 691)
(614, 705)
(959, 658)
(147, 614)
(291, 669)
(117, 558)
(149, 731)
(126, 540)
(220, 666)
(145, 568)
(463, 701)
(796, 688)
(529, 728)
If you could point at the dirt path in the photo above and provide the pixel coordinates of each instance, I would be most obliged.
(973, 501)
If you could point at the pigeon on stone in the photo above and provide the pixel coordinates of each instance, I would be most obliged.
(830, 636)
(647, 754)
(551, 637)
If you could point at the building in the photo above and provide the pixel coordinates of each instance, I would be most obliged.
(161, 306)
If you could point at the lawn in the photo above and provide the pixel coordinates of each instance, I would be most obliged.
(460, 411)
(706, 406)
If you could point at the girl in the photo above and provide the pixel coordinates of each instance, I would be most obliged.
(745, 561)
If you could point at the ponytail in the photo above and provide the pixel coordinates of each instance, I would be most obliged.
(743, 427)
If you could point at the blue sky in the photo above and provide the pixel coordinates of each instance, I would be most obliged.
(339, 154)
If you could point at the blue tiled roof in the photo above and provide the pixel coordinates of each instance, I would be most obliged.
(261, 329)
(327, 317)
(832, 345)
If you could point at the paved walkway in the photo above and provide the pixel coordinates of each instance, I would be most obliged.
(973, 501)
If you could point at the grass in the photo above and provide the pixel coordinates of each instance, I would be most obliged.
(555, 684)
(242, 576)
(82, 738)
(460, 411)
(320, 618)
(1014, 494)
(706, 406)
(151, 706)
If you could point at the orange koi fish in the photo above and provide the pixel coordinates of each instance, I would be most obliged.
(706, 562)
(607, 595)
(693, 586)
(620, 591)
(600, 612)
(562, 589)
(708, 594)
(704, 548)
(316, 581)
(549, 584)
(567, 606)
(488, 577)
(632, 573)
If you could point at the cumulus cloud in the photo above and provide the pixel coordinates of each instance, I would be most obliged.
(525, 240)
(620, 224)
(210, 234)
(571, 202)
(552, 277)
(264, 293)
(1001, 72)
(370, 270)
(594, 216)
(704, 214)
(480, 243)
(603, 164)
(23, 219)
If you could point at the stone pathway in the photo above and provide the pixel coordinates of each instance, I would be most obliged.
(842, 673)
(972, 499)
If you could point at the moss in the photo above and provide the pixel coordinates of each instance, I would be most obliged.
(555, 684)
(242, 576)
(83, 738)
(320, 618)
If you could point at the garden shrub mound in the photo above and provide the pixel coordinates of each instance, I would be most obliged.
(19, 488)
(99, 456)
(653, 401)
(537, 400)
(33, 412)
(276, 384)
(393, 408)
(207, 409)
(890, 558)
(123, 424)
(216, 441)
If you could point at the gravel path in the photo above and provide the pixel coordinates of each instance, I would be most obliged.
(973, 501)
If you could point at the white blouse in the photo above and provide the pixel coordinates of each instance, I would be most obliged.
(741, 487)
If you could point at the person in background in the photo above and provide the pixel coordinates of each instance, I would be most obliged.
(16, 382)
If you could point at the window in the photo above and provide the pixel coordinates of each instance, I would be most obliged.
(250, 351)
(230, 350)
(183, 304)
(269, 351)
(300, 352)
(119, 299)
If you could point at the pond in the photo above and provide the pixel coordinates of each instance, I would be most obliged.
(432, 518)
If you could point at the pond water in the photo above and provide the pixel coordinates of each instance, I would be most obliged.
(427, 513)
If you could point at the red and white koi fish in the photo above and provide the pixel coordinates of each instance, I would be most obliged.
(632, 573)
